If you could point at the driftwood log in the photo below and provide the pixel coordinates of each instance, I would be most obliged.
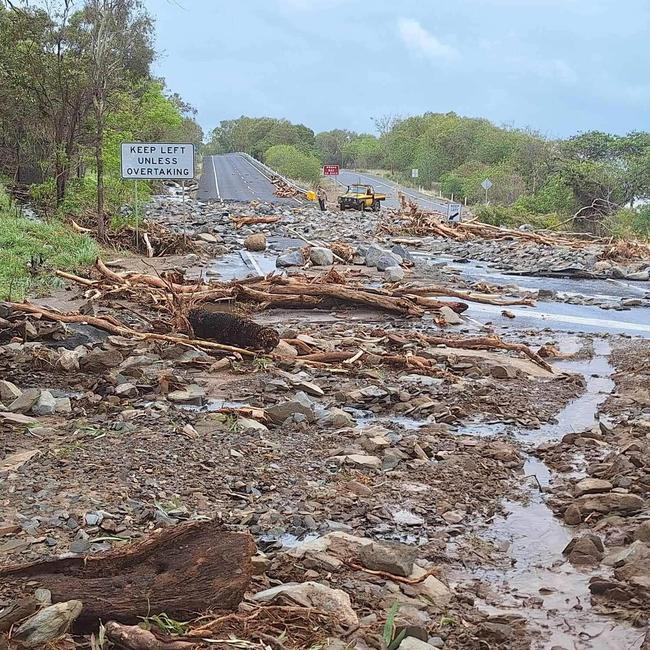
(181, 571)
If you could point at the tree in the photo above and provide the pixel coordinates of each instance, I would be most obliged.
(114, 26)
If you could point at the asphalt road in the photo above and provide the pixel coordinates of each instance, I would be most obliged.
(231, 177)
(349, 177)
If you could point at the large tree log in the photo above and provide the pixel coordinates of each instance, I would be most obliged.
(180, 571)
(436, 290)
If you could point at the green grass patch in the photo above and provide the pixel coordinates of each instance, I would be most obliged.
(52, 244)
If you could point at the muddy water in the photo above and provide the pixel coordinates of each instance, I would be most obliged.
(550, 593)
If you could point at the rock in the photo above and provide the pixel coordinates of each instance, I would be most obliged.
(387, 260)
(642, 533)
(46, 404)
(592, 486)
(285, 349)
(407, 518)
(9, 392)
(292, 258)
(572, 515)
(13, 462)
(63, 405)
(208, 238)
(308, 387)
(411, 643)
(394, 274)
(436, 642)
(26, 401)
(498, 632)
(256, 242)
(396, 559)
(47, 625)
(503, 452)
(192, 394)
(610, 502)
(450, 316)
(360, 460)
(503, 372)
(585, 550)
(100, 360)
(312, 594)
(359, 489)
(126, 390)
(320, 256)
(80, 546)
(247, 424)
(402, 252)
(337, 418)
(373, 254)
(280, 412)
(430, 588)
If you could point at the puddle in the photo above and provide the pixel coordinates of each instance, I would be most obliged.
(368, 418)
(241, 264)
(483, 429)
(540, 585)
(580, 414)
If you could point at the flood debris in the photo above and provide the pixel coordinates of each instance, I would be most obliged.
(232, 330)
(181, 570)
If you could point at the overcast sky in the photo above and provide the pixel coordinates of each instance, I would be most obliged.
(558, 66)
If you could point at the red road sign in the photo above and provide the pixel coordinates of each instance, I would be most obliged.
(330, 170)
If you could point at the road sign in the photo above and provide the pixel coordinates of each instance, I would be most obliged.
(157, 161)
(454, 212)
(415, 173)
(486, 185)
(331, 170)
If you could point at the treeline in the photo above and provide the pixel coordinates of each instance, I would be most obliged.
(75, 81)
(593, 179)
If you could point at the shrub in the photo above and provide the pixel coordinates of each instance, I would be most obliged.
(291, 162)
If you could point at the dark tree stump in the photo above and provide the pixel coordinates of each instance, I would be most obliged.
(181, 571)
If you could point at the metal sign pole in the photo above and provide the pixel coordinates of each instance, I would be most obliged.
(137, 218)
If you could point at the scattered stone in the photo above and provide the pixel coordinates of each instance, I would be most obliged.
(572, 515)
(407, 518)
(387, 260)
(256, 242)
(610, 502)
(13, 462)
(394, 274)
(360, 460)
(450, 316)
(337, 418)
(280, 412)
(320, 256)
(47, 625)
(9, 392)
(292, 258)
(315, 595)
(592, 486)
(127, 390)
(100, 360)
(46, 404)
(642, 533)
(207, 237)
(192, 394)
(411, 643)
(503, 372)
(396, 559)
(585, 550)
(26, 401)
(63, 405)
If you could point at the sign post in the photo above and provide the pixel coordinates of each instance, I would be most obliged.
(331, 170)
(155, 161)
(486, 185)
(454, 212)
(415, 173)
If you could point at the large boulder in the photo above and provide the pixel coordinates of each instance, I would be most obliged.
(256, 242)
(291, 258)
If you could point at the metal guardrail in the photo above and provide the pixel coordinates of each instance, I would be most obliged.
(265, 168)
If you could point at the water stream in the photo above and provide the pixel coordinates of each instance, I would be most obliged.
(541, 586)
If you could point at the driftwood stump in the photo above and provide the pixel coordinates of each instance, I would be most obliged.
(181, 571)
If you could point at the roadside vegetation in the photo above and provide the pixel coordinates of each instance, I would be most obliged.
(30, 250)
(593, 181)
(75, 82)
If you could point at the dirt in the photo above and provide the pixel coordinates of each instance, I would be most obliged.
(471, 465)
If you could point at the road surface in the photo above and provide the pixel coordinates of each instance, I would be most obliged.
(349, 177)
(232, 177)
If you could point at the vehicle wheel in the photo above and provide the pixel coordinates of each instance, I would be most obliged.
(376, 207)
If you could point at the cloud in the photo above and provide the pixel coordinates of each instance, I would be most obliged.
(423, 43)
(557, 70)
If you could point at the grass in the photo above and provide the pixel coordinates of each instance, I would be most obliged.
(51, 244)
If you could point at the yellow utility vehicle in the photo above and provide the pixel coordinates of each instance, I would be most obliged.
(361, 197)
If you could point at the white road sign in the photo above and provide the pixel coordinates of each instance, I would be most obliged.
(454, 212)
(157, 160)
(415, 173)
(486, 184)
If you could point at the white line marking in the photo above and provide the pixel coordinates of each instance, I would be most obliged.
(259, 171)
(216, 182)
(604, 323)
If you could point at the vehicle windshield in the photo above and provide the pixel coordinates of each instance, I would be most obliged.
(357, 189)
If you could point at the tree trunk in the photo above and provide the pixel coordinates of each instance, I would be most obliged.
(99, 162)
(182, 570)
